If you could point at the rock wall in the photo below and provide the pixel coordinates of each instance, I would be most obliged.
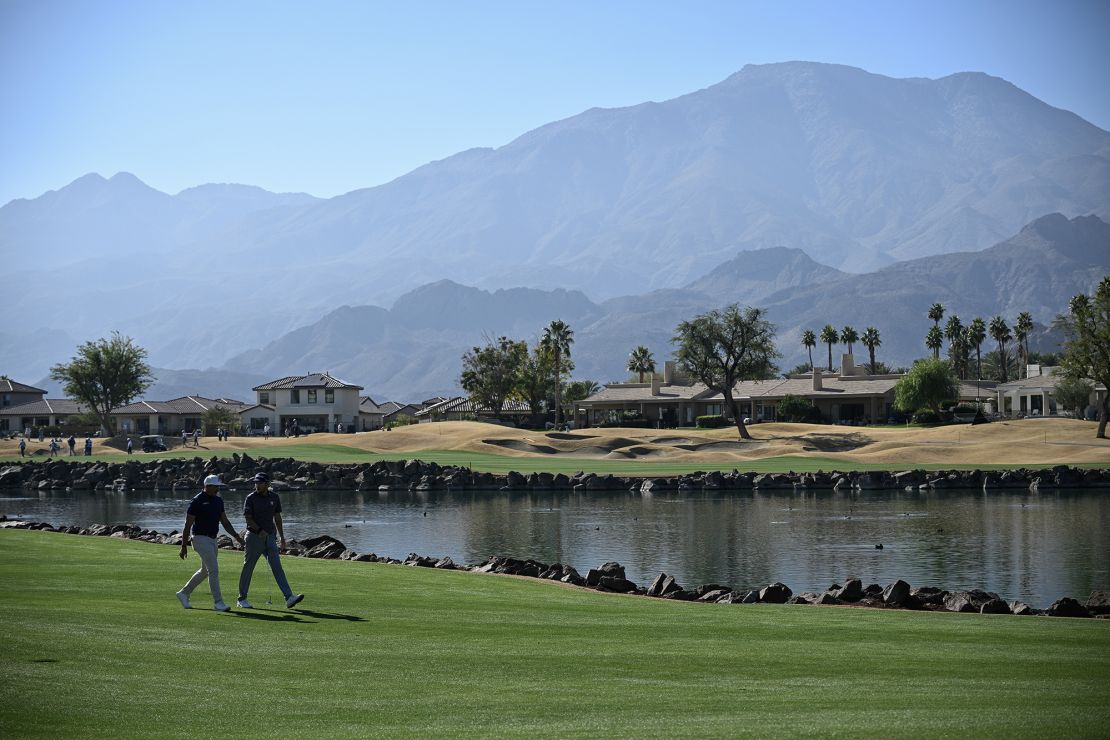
(289, 474)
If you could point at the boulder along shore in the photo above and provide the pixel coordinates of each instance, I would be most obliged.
(289, 474)
(610, 578)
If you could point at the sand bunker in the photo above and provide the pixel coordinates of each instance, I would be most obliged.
(521, 446)
(676, 441)
(833, 442)
(569, 437)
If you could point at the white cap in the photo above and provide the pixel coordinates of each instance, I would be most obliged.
(213, 480)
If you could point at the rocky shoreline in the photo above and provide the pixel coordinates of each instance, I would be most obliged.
(610, 578)
(416, 475)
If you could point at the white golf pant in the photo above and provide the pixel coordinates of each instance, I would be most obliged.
(205, 548)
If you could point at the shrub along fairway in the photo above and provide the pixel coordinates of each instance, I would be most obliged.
(96, 644)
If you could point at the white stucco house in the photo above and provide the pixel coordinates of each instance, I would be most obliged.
(317, 402)
(1035, 394)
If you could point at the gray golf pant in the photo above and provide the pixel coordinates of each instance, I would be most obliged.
(205, 547)
(256, 547)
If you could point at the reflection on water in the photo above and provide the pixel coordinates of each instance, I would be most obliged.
(1034, 547)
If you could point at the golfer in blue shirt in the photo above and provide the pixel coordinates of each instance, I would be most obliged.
(206, 514)
(262, 510)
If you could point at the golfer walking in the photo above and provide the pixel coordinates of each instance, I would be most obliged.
(262, 510)
(206, 514)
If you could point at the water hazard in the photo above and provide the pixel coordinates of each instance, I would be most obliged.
(1030, 546)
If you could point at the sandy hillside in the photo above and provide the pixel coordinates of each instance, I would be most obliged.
(1010, 442)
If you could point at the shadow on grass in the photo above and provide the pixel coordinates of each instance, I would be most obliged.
(272, 617)
(329, 615)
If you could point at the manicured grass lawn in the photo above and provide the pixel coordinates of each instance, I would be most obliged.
(95, 644)
(327, 453)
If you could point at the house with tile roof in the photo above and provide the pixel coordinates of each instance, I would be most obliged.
(316, 402)
(169, 417)
(850, 396)
(13, 393)
(461, 408)
(1035, 394)
(42, 413)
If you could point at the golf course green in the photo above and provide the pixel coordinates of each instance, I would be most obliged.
(97, 645)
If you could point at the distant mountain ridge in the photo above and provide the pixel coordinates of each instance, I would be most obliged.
(410, 355)
(855, 169)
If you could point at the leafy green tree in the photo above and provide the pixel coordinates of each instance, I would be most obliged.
(577, 390)
(641, 361)
(809, 341)
(934, 340)
(1000, 333)
(794, 408)
(871, 340)
(976, 333)
(219, 417)
(801, 369)
(849, 336)
(829, 337)
(558, 337)
(105, 375)
(1087, 344)
(928, 384)
(491, 373)
(936, 313)
(1023, 327)
(1073, 394)
(1045, 359)
(724, 346)
(535, 382)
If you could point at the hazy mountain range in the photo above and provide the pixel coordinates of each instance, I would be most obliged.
(413, 350)
(849, 170)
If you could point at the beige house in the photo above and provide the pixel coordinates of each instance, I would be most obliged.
(169, 417)
(13, 393)
(462, 408)
(849, 396)
(44, 413)
(1035, 394)
(317, 402)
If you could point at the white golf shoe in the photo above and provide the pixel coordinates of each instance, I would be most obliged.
(293, 600)
(184, 599)
(243, 604)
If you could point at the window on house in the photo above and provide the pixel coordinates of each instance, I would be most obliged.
(263, 397)
(294, 396)
(329, 395)
(312, 396)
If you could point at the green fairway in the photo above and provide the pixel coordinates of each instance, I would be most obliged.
(330, 453)
(96, 644)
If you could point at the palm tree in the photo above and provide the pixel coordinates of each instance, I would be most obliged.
(954, 333)
(871, 340)
(1022, 327)
(809, 341)
(936, 313)
(557, 338)
(640, 361)
(829, 337)
(933, 340)
(998, 366)
(1000, 333)
(976, 333)
(849, 337)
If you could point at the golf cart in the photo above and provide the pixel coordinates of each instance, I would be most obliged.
(153, 443)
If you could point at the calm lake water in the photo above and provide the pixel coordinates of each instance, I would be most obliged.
(1034, 547)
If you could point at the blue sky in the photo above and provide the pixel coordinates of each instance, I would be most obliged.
(327, 97)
